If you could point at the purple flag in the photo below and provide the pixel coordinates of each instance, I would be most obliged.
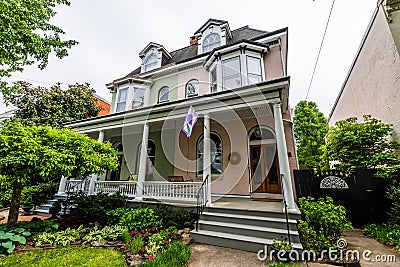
(190, 121)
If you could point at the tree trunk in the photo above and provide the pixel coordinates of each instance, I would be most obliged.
(14, 206)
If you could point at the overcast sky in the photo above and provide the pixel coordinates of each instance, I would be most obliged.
(112, 33)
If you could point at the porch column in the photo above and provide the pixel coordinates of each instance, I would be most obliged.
(63, 184)
(207, 156)
(142, 162)
(93, 177)
(283, 157)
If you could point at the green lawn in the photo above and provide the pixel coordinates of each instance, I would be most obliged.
(70, 256)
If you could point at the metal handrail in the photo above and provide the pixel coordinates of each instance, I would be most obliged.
(201, 206)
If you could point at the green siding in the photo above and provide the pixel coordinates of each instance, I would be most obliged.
(171, 82)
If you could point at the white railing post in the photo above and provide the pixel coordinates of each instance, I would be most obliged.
(63, 184)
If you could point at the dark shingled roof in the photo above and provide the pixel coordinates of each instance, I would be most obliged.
(244, 33)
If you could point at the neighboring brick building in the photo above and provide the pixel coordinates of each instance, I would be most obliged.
(372, 85)
(103, 103)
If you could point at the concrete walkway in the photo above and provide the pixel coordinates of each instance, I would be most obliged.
(214, 256)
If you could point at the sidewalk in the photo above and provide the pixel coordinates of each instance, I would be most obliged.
(214, 256)
(21, 218)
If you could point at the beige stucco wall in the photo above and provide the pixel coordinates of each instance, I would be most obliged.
(273, 61)
(199, 74)
(374, 82)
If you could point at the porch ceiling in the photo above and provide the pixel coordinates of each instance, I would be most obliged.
(255, 97)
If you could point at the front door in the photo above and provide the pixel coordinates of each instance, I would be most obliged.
(264, 169)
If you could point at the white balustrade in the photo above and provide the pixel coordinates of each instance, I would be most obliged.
(73, 186)
(124, 187)
(186, 191)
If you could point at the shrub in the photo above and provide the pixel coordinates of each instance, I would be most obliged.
(38, 194)
(91, 208)
(179, 218)
(5, 191)
(134, 218)
(176, 255)
(386, 234)
(134, 243)
(393, 193)
(37, 225)
(322, 223)
(109, 233)
(9, 237)
(62, 238)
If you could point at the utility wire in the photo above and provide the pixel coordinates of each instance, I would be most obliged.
(320, 48)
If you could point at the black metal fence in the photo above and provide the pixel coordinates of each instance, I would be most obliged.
(361, 193)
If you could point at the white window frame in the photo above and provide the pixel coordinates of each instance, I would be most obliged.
(161, 93)
(197, 91)
(255, 74)
(214, 154)
(240, 72)
(210, 46)
(153, 64)
(124, 89)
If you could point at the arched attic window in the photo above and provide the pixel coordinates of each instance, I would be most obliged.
(211, 41)
(150, 62)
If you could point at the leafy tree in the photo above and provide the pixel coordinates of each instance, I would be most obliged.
(26, 36)
(52, 106)
(310, 127)
(352, 144)
(40, 153)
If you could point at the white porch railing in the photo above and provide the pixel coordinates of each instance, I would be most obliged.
(124, 187)
(186, 191)
(74, 186)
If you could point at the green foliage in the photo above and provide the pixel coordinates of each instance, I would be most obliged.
(91, 208)
(135, 218)
(37, 225)
(322, 223)
(386, 234)
(393, 193)
(62, 238)
(9, 237)
(366, 144)
(53, 106)
(71, 256)
(310, 127)
(27, 36)
(281, 244)
(109, 233)
(5, 191)
(177, 255)
(179, 218)
(35, 154)
(135, 243)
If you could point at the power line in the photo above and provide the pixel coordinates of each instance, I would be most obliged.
(320, 48)
(18, 77)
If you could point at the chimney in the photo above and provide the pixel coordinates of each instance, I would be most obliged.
(193, 40)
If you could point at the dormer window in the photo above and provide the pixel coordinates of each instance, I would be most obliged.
(211, 41)
(192, 88)
(150, 62)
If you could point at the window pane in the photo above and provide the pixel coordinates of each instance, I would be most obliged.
(121, 106)
(123, 93)
(254, 78)
(163, 95)
(214, 80)
(216, 155)
(192, 88)
(253, 65)
(231, 66)
(211, 41)
(232, 82)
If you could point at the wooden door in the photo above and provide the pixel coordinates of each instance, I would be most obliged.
(264, 169)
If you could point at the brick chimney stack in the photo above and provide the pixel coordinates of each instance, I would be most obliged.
(193, 40)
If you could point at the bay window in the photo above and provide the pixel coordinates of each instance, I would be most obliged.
(254, 69)
(231, 77)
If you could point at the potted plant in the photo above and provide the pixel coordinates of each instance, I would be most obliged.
(26, 199)
(281, 249)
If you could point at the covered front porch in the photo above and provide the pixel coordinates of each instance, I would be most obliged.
(222, 157)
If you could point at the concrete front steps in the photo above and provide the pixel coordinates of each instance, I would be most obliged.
(248, 230)
(44, 209)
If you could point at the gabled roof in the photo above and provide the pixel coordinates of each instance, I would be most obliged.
(191, 52)
(210, 22)
(157, 46)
